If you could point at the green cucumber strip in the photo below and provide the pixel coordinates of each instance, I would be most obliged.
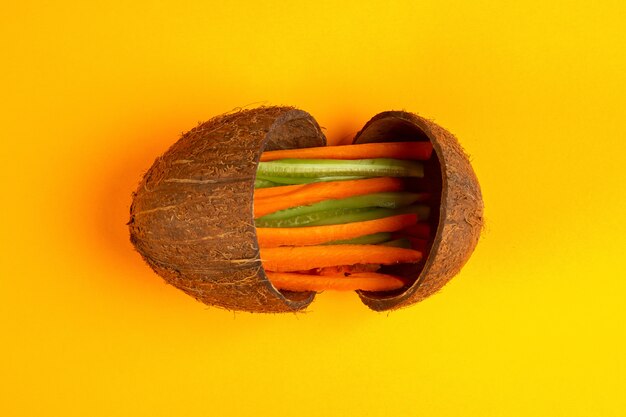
(367, 214)
(363, 240)
(305, 180)
(340, 216)
(312, 168)
(398, 243)
(307, 219)
(261, 183)
(384, 200)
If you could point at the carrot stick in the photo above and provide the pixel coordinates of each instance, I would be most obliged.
(302, 258)
(279, 236)
(316, 192)
(397, 150)
(367, 281)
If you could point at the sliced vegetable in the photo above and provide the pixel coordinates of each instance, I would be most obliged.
(361, 215)
(384, 200)
(363, 240)
(314, 235)
(302, 258)
(261, 183)
(307, 180)
(397, 150)
(313, 168)
(341, 216)
(366, 281)
(336, 216)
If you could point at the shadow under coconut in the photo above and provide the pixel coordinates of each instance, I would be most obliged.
(111, 181)
(341, 134)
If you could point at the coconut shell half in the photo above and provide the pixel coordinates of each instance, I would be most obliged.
(192, 220)
(457, 218)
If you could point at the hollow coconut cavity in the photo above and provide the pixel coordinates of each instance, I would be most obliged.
(192, 214)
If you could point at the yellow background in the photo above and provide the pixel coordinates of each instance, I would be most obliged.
(92, 92)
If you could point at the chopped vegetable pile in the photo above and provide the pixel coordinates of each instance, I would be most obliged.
(329, 218)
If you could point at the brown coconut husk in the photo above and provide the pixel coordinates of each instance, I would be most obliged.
(192, 218)
(457, 218)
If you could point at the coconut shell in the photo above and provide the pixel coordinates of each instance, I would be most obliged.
(192, 214)
(458, 220)
(191, 217)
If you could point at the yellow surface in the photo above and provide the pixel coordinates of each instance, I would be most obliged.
(92, 92)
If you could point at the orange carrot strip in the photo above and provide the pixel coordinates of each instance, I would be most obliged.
(367, 281)
(302, 258)
(280, 190)
(397, 150)
(282, 236)
(316, 192)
